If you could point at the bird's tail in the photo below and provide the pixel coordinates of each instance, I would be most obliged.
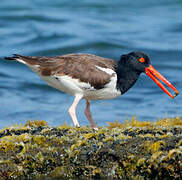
(17, 57)
(14, 57)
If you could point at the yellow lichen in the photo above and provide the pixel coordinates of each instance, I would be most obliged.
(108, 139)
(179, 143)
(156, 155)
(136, 123)
(165, 136)
(36, 123)
(132, 150)
(40, 140)
(78, 144)
(121, 137)
(154, 147)
(96, 171)
(39, 156)
(172, 152)
(140, 161)
(89, 135)
(6, 145)
(146, 135)
(170, 122)
(115, 124)
(167, 122)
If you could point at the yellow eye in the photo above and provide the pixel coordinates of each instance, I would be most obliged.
(142, 60)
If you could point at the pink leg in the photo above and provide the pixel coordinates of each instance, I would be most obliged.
(72, 109)
(89, 115)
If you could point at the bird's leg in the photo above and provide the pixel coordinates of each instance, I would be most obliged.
(89, 115)
(72, 109)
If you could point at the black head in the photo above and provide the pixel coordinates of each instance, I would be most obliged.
(136, 61)
(132, 65)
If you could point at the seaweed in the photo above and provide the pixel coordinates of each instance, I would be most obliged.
(129, 150)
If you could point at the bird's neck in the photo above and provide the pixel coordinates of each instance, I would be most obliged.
(126, 77)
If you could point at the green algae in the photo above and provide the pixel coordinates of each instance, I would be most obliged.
(129, 150)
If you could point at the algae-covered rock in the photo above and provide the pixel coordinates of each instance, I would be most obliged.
(130, 150)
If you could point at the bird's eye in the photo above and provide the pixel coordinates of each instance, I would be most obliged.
(142, 60)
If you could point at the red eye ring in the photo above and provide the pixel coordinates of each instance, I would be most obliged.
(142, 60)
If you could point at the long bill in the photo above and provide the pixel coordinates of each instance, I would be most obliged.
(152, 73)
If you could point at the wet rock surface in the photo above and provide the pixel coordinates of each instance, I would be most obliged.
(132, 150)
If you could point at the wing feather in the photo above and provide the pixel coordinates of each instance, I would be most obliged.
(78, 66)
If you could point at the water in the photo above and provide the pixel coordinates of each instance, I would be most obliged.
(105, 28)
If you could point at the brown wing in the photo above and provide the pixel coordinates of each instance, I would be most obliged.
(78, 66)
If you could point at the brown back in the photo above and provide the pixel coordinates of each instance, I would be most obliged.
(79, 66)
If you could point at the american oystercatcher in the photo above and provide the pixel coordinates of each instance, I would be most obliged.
(93, 77)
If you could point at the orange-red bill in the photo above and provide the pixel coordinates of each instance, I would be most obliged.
(152, 73)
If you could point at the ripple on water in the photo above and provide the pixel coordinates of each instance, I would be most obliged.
(105, 28)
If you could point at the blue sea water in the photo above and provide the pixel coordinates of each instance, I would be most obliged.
(105, 28)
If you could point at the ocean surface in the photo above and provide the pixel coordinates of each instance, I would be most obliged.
(105, 28)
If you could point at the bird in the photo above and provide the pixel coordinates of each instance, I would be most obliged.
(92, 77)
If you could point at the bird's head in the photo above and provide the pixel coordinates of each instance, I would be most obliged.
(140, 62)
(136, 61)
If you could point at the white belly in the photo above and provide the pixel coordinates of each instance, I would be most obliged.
(74, 86)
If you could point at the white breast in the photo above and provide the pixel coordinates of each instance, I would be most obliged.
(108, 92)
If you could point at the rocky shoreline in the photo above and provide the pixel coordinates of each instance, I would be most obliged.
(130, 150)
